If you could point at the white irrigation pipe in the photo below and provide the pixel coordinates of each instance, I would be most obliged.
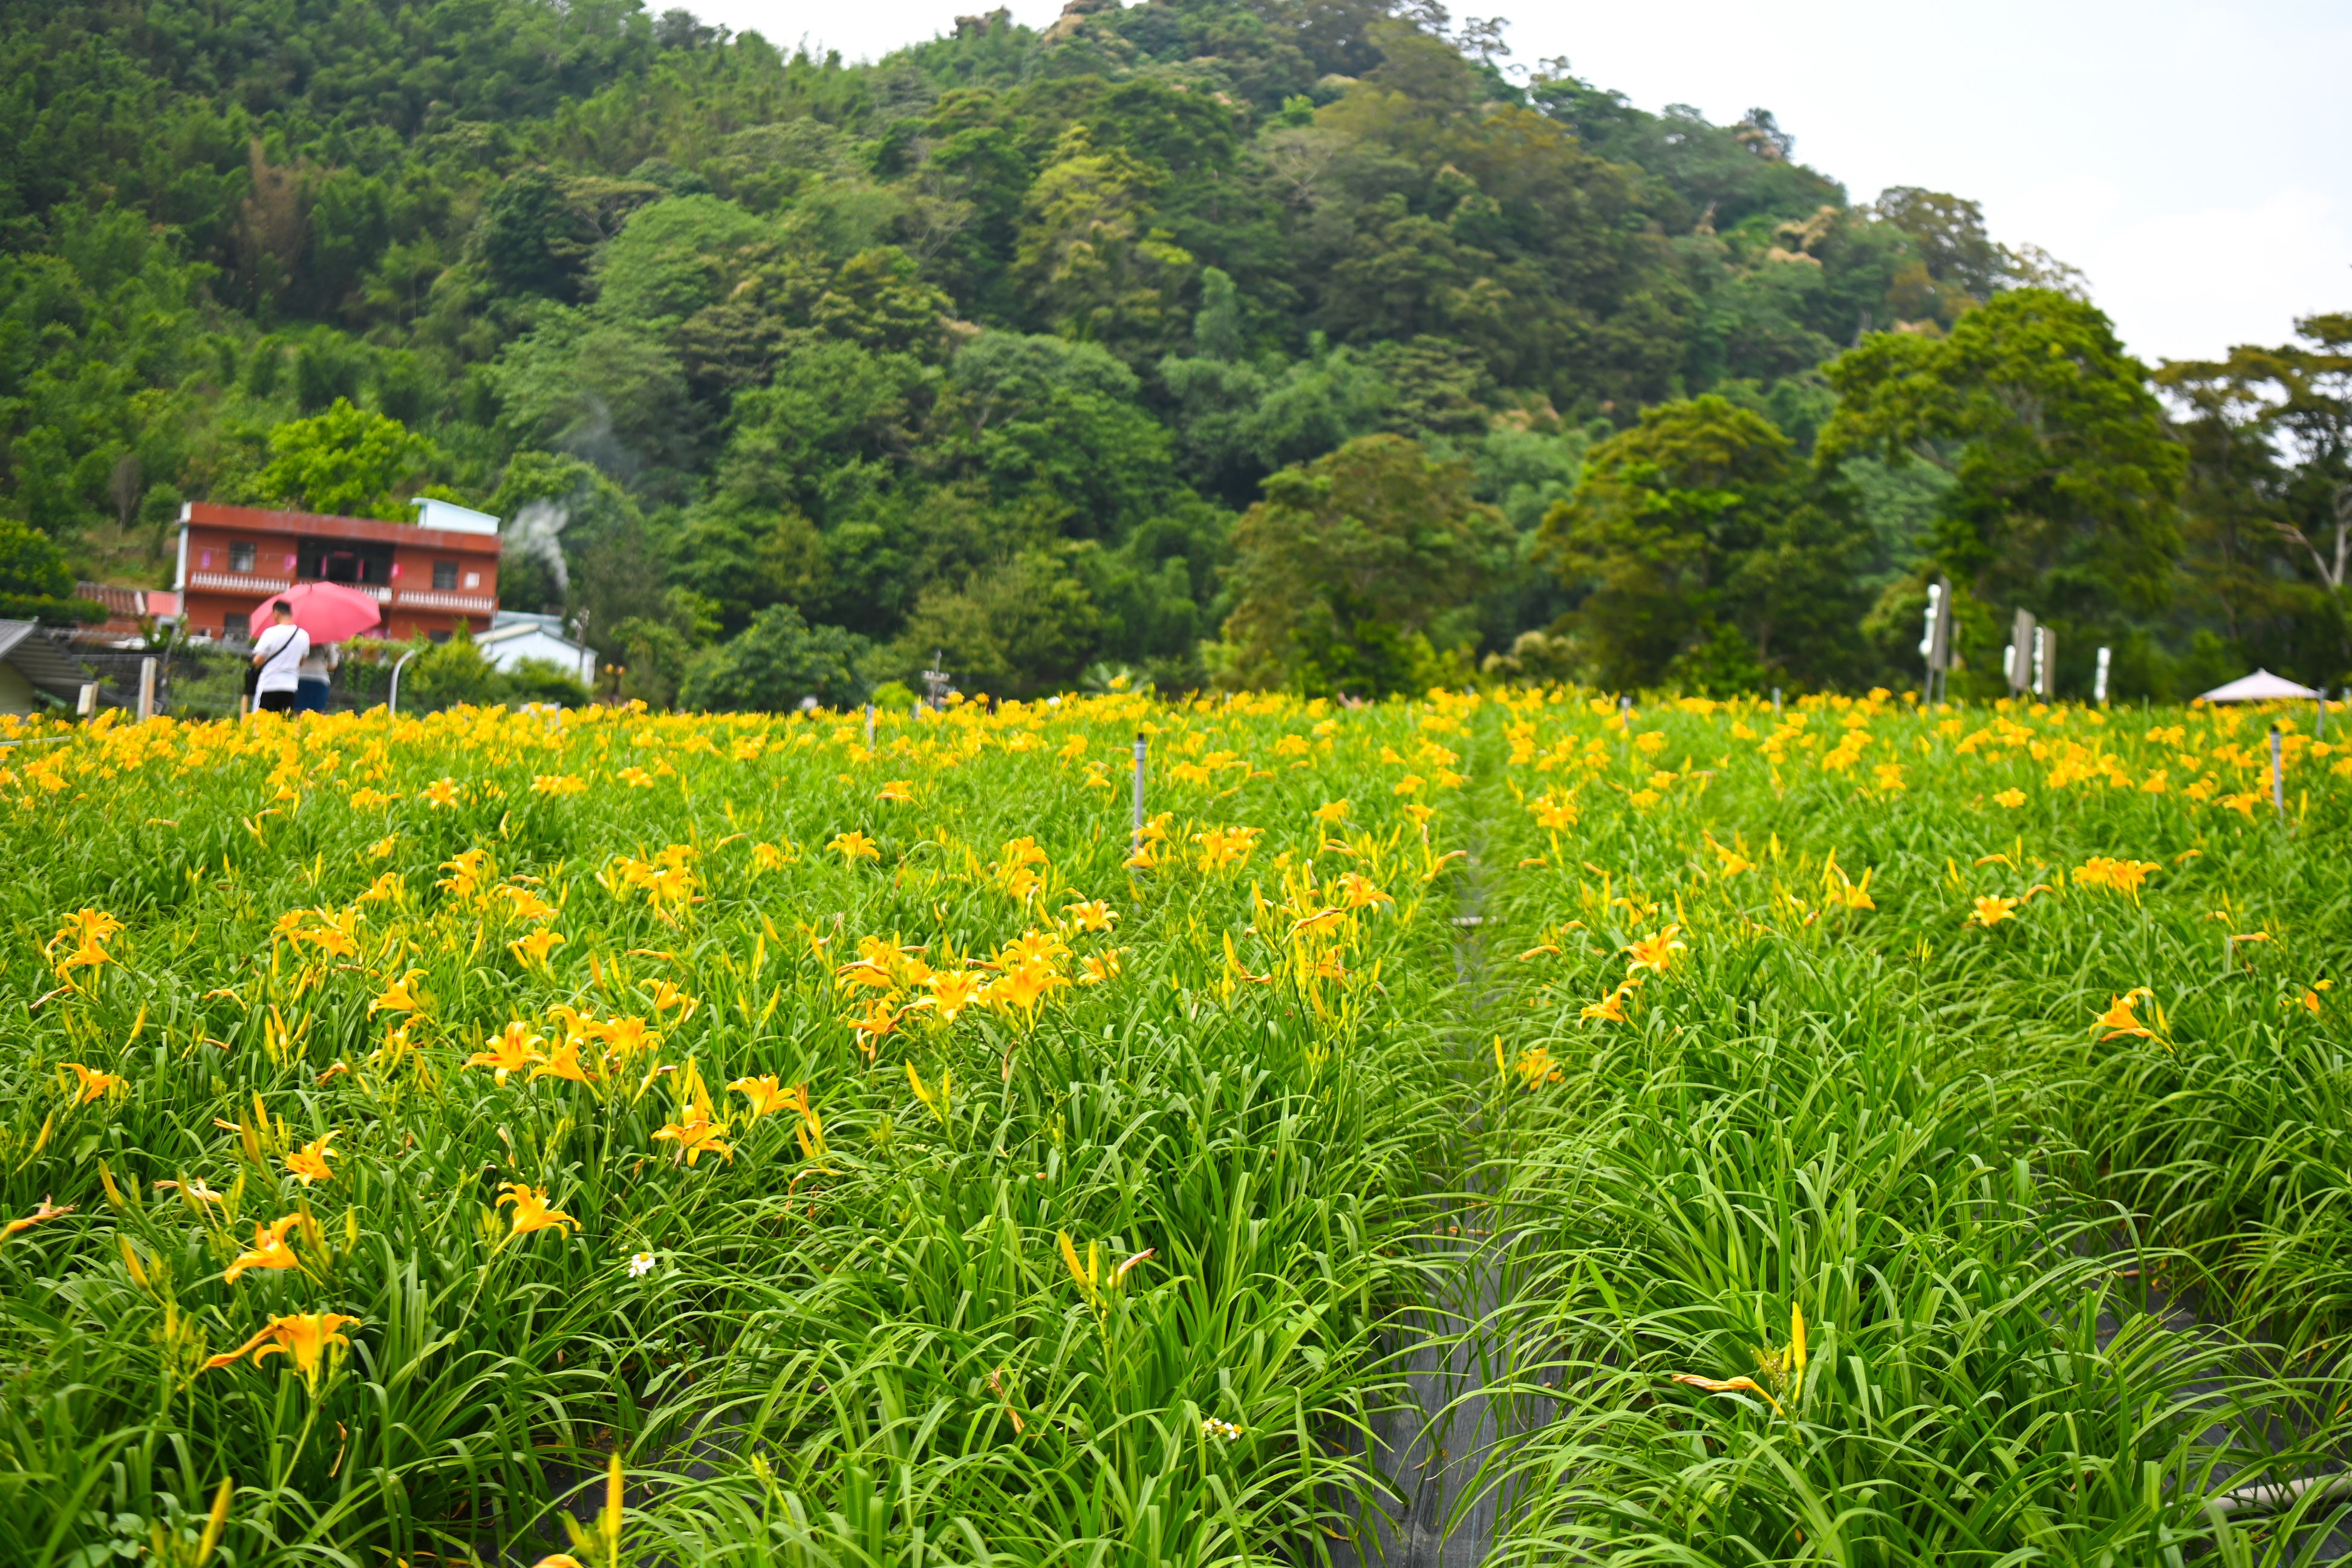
(1137, 834)
(394, 704)
(2272, 1495)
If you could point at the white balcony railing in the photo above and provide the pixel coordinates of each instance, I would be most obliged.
(238, 583)
(436, 599)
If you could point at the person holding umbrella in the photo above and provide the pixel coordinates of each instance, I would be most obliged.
(323, 614)
(277, 656)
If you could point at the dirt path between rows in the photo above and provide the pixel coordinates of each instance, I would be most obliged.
(1430, 1449)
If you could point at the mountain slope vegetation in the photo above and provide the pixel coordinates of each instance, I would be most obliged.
(985, 350)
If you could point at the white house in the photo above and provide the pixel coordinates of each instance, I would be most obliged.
(515, 636)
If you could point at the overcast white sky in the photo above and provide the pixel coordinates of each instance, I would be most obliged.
(2191, 159)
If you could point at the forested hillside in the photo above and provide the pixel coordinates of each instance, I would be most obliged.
(1247, 341)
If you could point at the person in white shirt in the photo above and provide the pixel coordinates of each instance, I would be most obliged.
(277, 656)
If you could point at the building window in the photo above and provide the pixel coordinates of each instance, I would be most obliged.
(440, 636)
(345, 561)
(445, 574)
(240, 556)
(230, 625)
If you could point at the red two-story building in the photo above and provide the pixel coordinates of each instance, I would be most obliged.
(432, 577)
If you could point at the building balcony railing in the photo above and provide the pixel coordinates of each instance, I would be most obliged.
(435, 599)
(239, 582)
(245, 582)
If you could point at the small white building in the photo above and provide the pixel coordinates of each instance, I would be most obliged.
(452, 518)
(515, 636)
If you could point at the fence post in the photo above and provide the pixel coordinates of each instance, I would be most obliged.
(2278, 776)
(1776, 702)
(869, 726)
(146, 689)
(1137, 830)
(86, 703)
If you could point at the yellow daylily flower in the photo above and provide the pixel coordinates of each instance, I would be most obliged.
(532, 1211)
(952, 990)
(400, 997)
(514, 1048)
(309, 1163)
(1655, 952)
(2118, 1021)
(46, 1210)
(304, 1339)
(1094, 915)
(1729, 1386)
(855, 846)
(564, 1062)
(695, 1136)
(1991, 912)
(269, 1249)
(765, 1093)
(535, 948)
(94, 1083)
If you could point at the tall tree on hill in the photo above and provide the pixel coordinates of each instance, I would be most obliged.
(2067, 479)
(1705, 557)
(1342, 574)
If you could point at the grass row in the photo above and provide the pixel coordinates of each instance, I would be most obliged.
(1089, 1269)
(1869, 1232)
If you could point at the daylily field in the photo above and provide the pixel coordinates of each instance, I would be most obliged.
(1879, 1135)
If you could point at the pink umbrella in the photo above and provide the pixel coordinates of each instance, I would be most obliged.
(328, 611)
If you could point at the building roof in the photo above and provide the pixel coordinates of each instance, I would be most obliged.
(2262, 687)
(320, 525)
(123, 603)
(525, 632)
(39, 660)
(506, 618)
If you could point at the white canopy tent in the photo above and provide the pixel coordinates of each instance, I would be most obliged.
(2262, 687)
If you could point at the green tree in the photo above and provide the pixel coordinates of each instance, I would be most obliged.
(36, 583)
(1699, 558)
(2066, 478)
(1014, 629)
(348, 462)
(1949, 233)
(2268, 497)
(1342, 573)
(775, 663)
(612, 392)
(1089, 257)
